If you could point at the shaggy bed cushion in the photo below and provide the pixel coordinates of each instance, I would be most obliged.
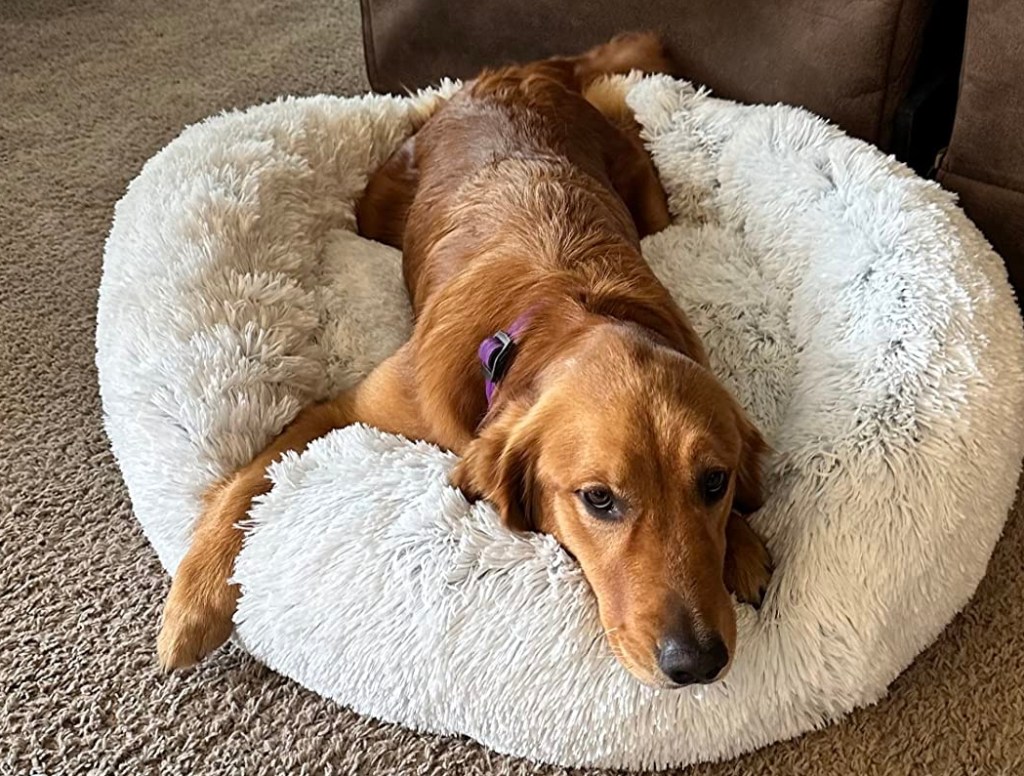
(852, 308)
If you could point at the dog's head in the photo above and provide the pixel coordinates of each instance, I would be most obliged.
(631, 455)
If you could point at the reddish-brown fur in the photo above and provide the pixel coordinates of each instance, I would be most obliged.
(527, 193)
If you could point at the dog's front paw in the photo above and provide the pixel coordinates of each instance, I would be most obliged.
(748, 564)
(197, 619)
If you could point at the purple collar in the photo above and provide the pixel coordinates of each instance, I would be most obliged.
(497, 351)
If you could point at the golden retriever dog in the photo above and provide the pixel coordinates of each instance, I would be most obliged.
(548, 356)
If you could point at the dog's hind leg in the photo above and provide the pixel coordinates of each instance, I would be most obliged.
(381, 213)
(630, 168)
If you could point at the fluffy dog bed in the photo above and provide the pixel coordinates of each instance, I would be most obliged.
(851, 306)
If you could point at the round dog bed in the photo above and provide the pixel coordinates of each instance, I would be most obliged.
(851, 306)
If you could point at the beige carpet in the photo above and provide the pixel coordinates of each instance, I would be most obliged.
(89, 90)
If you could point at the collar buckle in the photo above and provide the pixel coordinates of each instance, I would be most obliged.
(499, 356)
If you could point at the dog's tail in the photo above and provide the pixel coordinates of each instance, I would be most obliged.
(643, 51)
(588, 73)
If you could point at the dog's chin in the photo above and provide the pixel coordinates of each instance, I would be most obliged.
(663, 684)
(653, 679)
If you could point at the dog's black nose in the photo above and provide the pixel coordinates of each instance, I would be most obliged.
(687, 661)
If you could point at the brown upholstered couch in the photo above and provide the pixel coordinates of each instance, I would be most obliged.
(985, 159)
(856, 63)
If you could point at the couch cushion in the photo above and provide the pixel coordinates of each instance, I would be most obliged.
(849, 62)
(985, 160)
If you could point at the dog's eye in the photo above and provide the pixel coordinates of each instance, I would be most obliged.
(599, 500)
(714, 484)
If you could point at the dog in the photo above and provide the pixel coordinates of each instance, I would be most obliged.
(549, 357)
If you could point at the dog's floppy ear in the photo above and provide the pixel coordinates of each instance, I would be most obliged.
(498, 466)
(748, 497)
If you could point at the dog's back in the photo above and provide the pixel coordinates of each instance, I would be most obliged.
(517, 164)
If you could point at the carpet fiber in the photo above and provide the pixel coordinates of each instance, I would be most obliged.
(88, 91)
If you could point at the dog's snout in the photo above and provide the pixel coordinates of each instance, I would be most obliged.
(685, 659)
